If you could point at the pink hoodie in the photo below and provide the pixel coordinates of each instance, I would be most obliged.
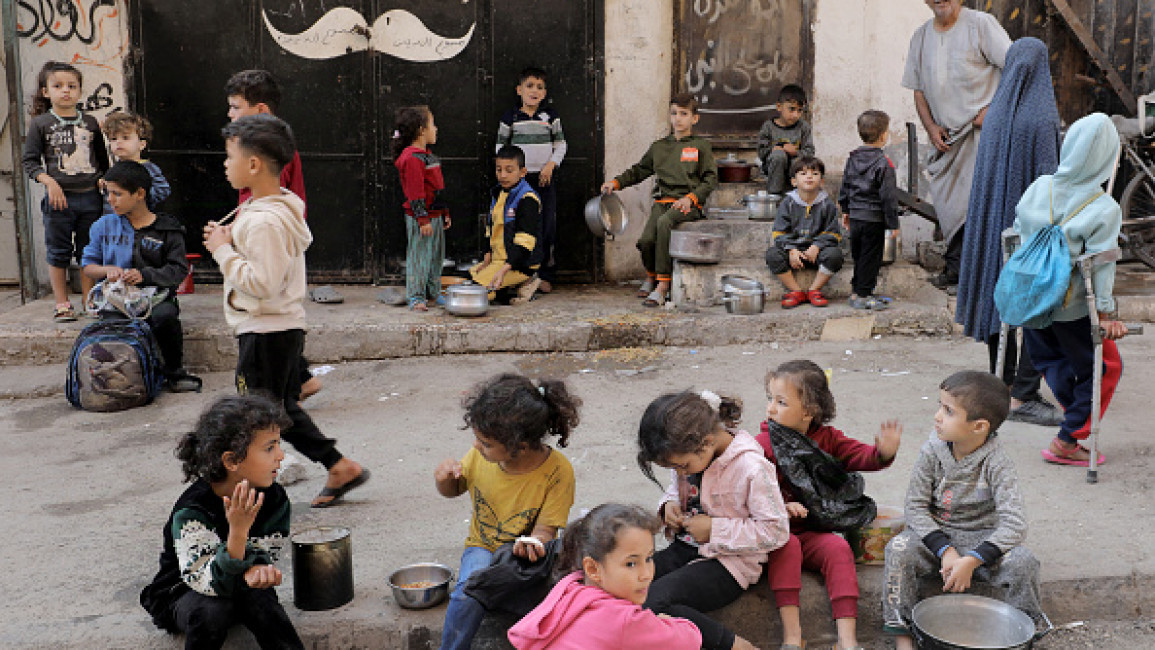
(579, 617)
(740, 493)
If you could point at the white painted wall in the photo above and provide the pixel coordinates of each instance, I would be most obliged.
(9, 261)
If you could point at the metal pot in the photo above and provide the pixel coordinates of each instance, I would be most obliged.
(968, 622)
(467, 299)
(733, 170)
(322, 568)
(606, 216)
(890, 247)
(741, 282)
(761, 206)
(436, 579)
(743, 302)
(697, 247)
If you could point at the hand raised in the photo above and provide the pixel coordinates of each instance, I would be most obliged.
(888, 439)
(241, 509)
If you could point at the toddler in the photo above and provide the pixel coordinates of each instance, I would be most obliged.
(426, 216)
(805, 235)
(869, 202)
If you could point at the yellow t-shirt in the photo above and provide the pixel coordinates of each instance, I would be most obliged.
(507, 506)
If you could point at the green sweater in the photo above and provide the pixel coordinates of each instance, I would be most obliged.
(683, 167)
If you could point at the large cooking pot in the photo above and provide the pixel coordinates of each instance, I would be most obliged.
(733, 170)
(606, 216)
(969, 622)
(743, 296)
(322, 568)
(761, 206)
(467, 299)
(696, 247)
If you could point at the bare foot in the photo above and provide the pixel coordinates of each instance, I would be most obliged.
(344, 472)
(903, 642)
(742, 644)
(310, 388)
(545, 287)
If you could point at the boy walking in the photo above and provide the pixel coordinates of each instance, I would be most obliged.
(869, 202)
(262, 261)
(686, 175)
(965, 518)
(538, 132)
(805, 235)
(128, 136)
(784, 138)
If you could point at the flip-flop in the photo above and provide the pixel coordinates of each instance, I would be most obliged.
(339, 492)
(325, 295)
(1056, 459)
(655, 299)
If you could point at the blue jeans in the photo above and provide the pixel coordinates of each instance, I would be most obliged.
(464, 614)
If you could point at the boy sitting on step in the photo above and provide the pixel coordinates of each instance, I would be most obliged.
(806, 235)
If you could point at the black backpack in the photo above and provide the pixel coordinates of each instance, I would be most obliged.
(114, 365)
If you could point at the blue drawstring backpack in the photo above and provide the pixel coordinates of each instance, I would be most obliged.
(1036, 280)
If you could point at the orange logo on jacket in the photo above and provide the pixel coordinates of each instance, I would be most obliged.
(690, 154)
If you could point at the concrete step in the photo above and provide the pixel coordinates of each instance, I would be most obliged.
(700, 285)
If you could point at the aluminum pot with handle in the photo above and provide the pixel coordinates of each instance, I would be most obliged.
(761, 206)
(743, 296)
(467, 299)
(696, 247)
(969, 622)
(606, 216)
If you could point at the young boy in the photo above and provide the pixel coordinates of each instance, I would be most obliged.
(686, 175)
(964, 513)
(128, 136)
(147, 250)
(255, 92)
(869, 202)
(784, 138)
(512, 245)
(538, 133)
(262, 261)
(805, 235)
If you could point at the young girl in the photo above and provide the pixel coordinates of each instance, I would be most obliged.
(609, 556)
(799, 398)
(426, 216)
(519, 485)
(227, 530)
(64, 151)
(722, 509)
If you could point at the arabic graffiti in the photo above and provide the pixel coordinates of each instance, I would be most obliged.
(344, 31)
(60, 20)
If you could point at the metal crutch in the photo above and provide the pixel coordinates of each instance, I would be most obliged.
(1087, 264)
(1011, 241)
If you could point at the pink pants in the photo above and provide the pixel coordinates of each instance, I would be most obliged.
(824, 552)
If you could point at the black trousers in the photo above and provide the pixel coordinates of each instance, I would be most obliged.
(953, 254)
(686, 590)
(205, 620)
(270, 362)
(1018, 371)
(867, 240)
(548, 196)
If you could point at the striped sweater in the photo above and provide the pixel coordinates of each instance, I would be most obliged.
(539, 136)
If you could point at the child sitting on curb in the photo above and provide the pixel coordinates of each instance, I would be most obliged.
(806, 235)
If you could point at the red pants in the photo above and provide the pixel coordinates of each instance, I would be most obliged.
(824, 552)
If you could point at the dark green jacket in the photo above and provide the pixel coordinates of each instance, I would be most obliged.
(682, 167)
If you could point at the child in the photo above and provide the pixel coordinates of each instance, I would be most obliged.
(426, 216)
(784, 138)
(805, 235)
(255, 92)
(1064, 352)
(65, 152)
(262, 261)
(964, 511)
(143, 249)
(609, 555)
(686, 175)
(799, 398)
(869, 202)
(227, 531)
(519, 485)
(128, 135)
(513, 249)
(538, 133)
(722, 509)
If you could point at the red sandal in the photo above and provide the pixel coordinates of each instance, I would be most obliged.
(1076, 455)
(792, 299)
(816, 298)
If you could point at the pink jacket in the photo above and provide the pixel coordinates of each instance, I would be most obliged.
(740, 492)
(577, 617)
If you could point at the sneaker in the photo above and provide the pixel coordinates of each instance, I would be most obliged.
(1037, 412)
(944, 280)
(858, 302)
(183, 382)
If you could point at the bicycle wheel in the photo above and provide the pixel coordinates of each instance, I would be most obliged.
(1138, 205)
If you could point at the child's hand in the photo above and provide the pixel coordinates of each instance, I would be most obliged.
(113, 273)
(796, 510)
(811, 254)
(608, 187)
(426, 230)
(846, 222)
(956, 575)
(795, 258)
(132, 276)
(262, 576)
(673, 516)
(56, 197)
(531, 550)
(241, 509)
(791, 149)
(684, 205)
(448, 470)
(217, 235)
(699, 527)
(1113, 330)
(888, 439)
(546, 174)
(448, 222)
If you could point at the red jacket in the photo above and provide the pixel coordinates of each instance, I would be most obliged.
(291, 179)
(855, 456)
(422, 183)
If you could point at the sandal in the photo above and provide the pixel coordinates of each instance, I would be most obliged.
(1059, 453)
(418, 304)
(647, 286)
(792, 299)
(654, 299)
(815, 297)
(64, 313)
(325, 295)
(525, 291)
(338, 492)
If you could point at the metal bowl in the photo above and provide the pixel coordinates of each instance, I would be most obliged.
(421, 597)
(741, 282)
(965, 621)
(606, 216)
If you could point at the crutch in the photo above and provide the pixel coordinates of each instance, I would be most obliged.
(1087, 264)
(1011, 241)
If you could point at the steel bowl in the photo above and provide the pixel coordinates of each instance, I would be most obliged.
(466, 299)
(438, 575)
(966, 621)
(606, 216)
(740, 282)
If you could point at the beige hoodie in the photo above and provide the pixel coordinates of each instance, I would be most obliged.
(264, 267)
